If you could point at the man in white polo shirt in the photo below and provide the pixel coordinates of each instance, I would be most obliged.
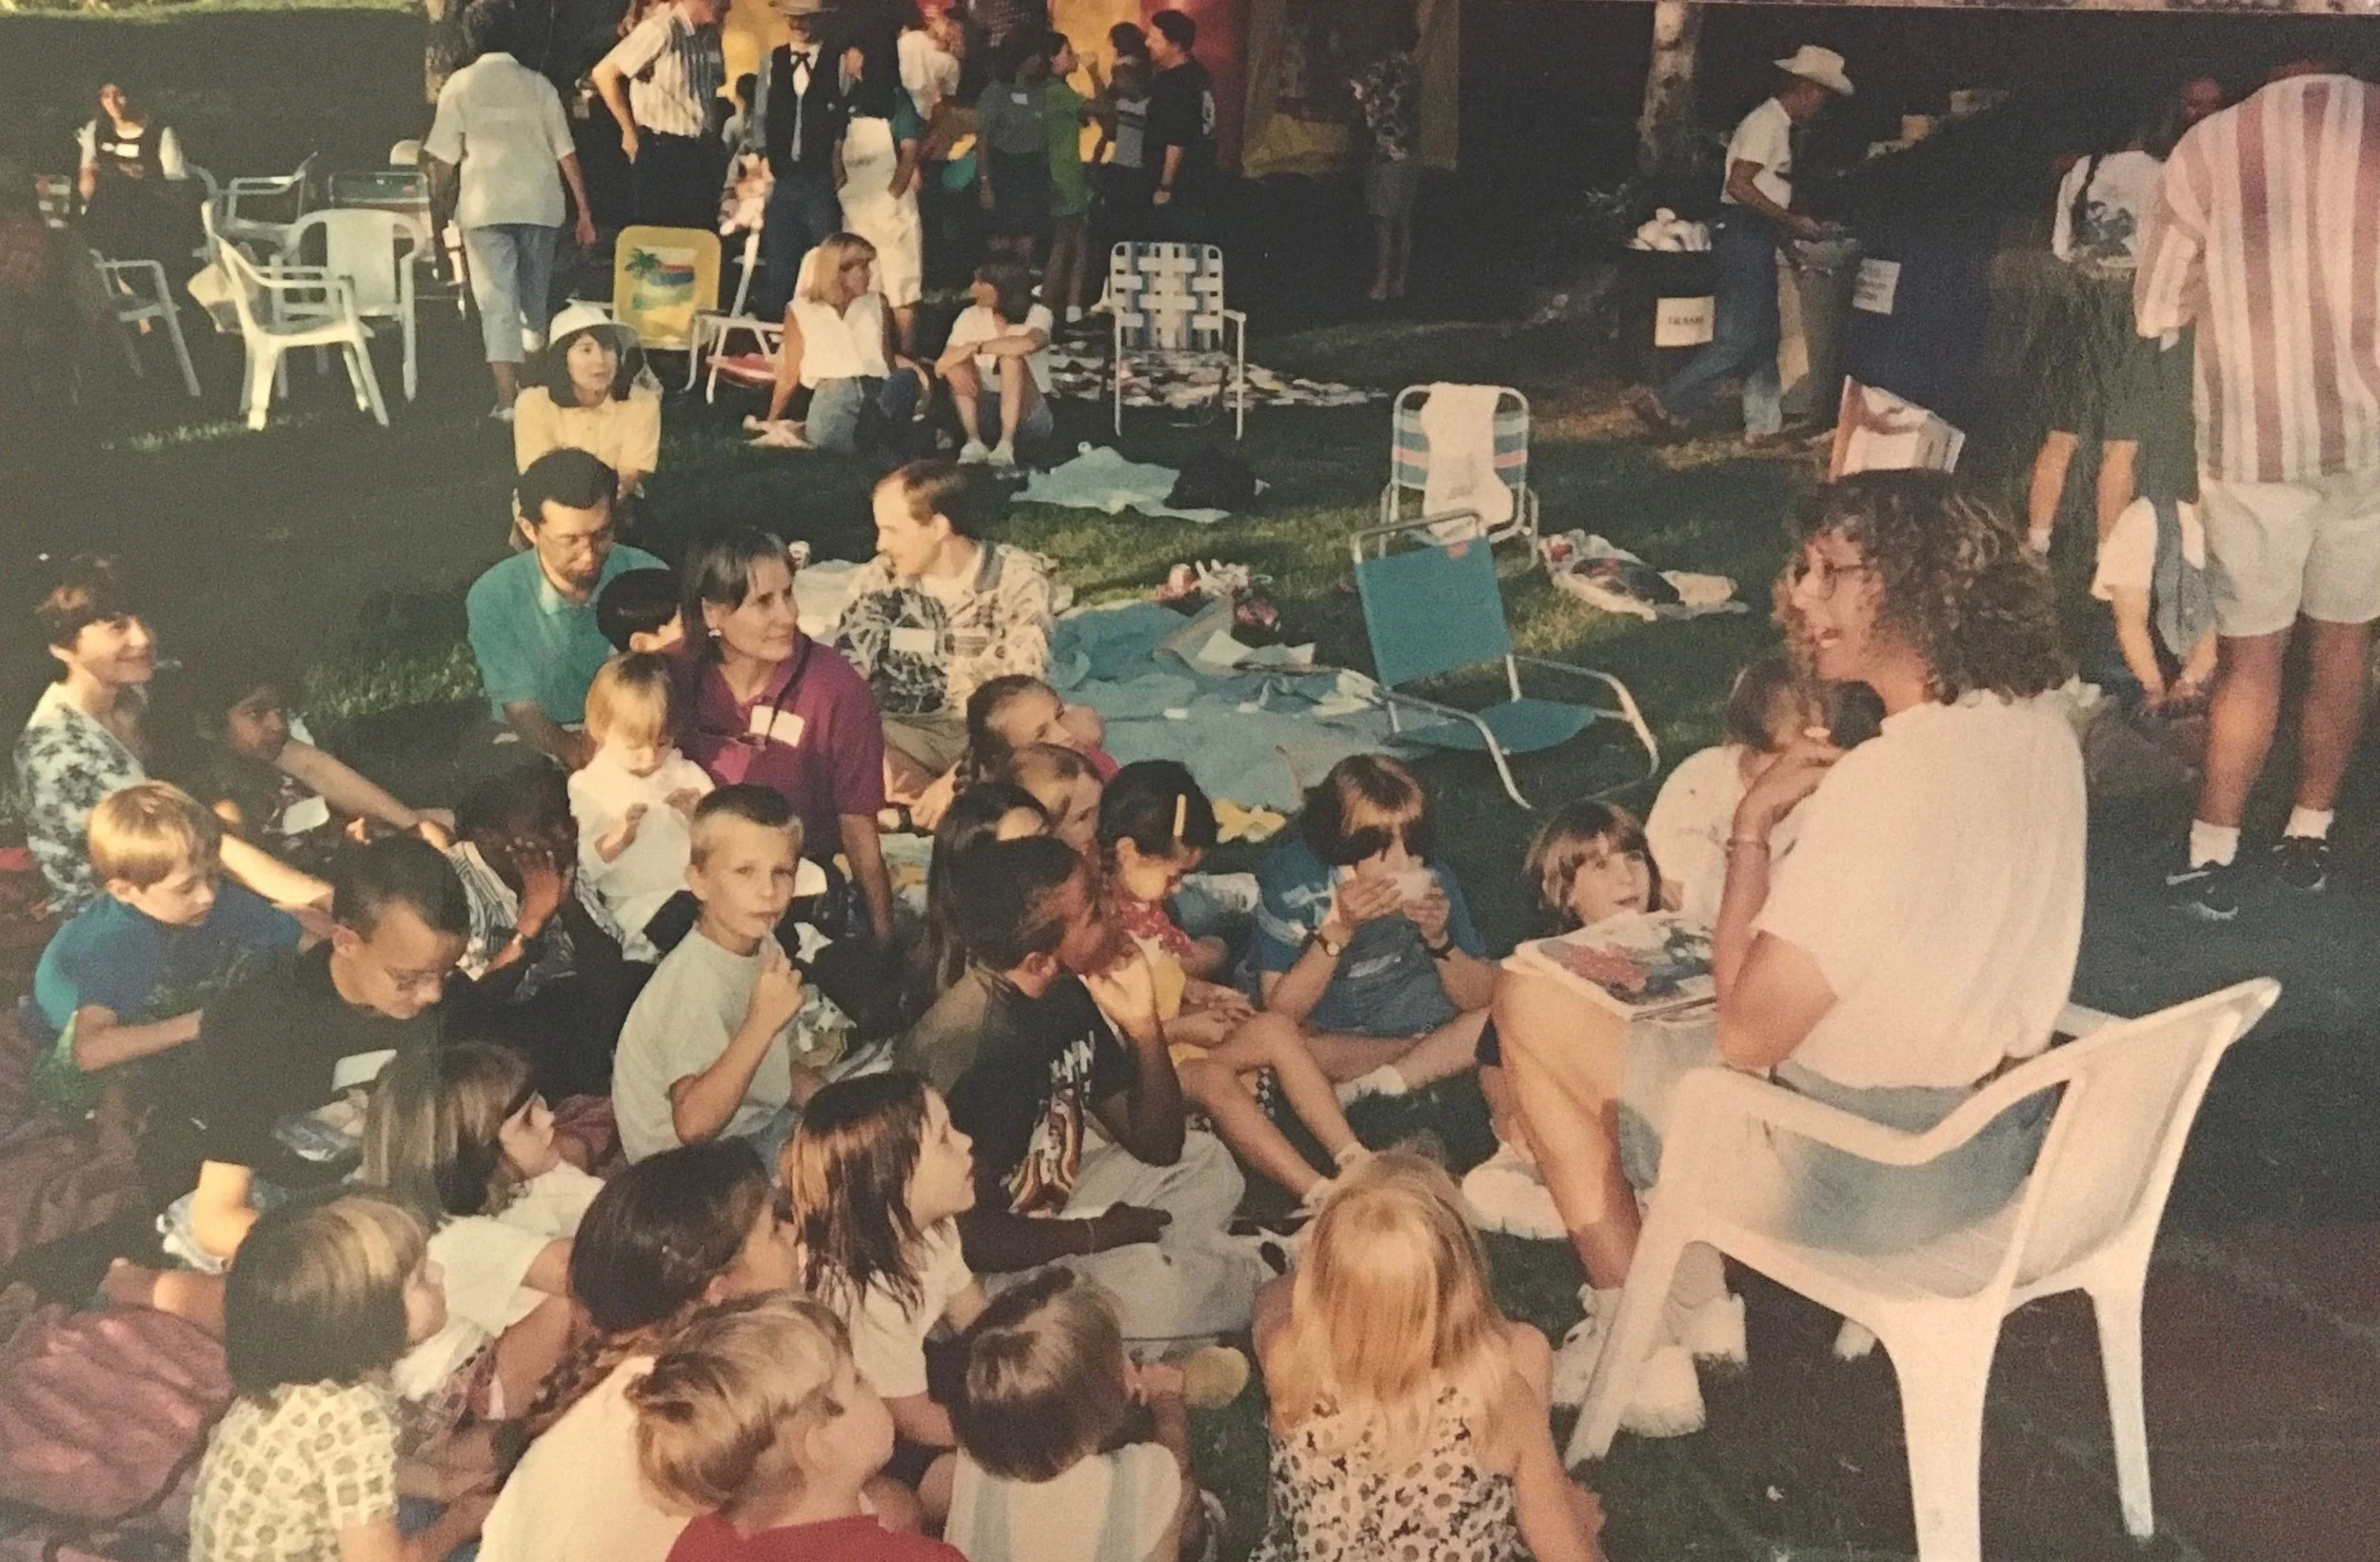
(1757, 202)
(502, 124)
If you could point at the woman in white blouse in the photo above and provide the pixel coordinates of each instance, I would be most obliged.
(839, 345)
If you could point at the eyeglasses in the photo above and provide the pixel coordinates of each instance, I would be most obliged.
(585, 542)
(1821, 575)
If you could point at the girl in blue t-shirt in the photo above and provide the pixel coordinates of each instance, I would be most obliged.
(1367, 943)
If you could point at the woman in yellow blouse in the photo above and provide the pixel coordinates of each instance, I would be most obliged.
(591, 392)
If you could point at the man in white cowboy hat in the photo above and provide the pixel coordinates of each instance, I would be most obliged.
(801, 111)
(502, 124)
(1757, 202)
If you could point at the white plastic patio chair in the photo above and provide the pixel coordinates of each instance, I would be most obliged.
(376, 250)
(296, 306)
(272, 202)
(2084, 1220)
(138, 291)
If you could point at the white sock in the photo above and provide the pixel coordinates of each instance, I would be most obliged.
(2213, 843)
(2038, 540)
(2312, 823)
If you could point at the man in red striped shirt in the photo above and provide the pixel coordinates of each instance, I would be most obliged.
(2266, 238)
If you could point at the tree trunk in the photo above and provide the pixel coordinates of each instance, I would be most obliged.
(1667, 130)
(443, 53)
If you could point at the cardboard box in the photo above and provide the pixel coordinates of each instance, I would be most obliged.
(1880, 432)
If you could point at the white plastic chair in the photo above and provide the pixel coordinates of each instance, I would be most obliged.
(2084, 1220)
(296, 306)
(376, 250)
(138, 291)
(282, 196)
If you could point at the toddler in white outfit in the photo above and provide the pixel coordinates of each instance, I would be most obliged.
(633, 798)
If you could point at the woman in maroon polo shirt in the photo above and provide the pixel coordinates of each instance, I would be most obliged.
(763, 702)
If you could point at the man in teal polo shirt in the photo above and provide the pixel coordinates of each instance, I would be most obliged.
(533, 616)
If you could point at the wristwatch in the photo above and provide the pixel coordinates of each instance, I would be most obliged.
(1441, 950)
(1327, 945)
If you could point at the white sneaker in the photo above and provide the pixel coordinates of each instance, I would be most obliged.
(1666, 1398)
(1383, 1080)
(1003, 454)
(1506, 1195)
(500, 414)
(973, 453)
(1074, 314)
(1714, 1331)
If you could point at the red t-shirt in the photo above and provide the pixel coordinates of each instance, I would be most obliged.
(817, 739)
(860, 1538)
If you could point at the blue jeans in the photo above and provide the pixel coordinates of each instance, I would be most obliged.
(835, 407)
(802, 212)
(512, 270)
(1744, 336)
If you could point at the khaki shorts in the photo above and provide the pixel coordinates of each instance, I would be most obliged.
(935, 742)
(2277, 550)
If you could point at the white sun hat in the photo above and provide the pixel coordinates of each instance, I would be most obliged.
(1822, 66)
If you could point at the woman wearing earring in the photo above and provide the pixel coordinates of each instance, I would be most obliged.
(766, 704)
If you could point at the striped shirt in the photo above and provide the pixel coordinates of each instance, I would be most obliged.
(2266, 235)
(675, 71)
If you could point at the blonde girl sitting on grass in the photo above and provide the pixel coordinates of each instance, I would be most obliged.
(303, 1467)
(1409, 1415)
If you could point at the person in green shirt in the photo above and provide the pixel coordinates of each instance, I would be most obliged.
(1063, 114)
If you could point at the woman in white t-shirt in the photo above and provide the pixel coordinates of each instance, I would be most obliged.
(996, 363)
(1923, 932)
(839, 345)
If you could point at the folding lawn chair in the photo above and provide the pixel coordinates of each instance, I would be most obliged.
(1432, 608)
(1409, 464)
(661, 281)
(1166, 301)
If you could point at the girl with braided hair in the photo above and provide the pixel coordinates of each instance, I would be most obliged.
(672, 1233)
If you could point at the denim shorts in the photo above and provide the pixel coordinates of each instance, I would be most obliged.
(1820, 1195)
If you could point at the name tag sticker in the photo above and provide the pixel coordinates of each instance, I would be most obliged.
(772, 725)
(1880, 282)
(912, 640)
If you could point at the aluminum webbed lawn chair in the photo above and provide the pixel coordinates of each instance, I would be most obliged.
(2085, 1220)
(1409, 464)
(1166, 299)
(1431, 609)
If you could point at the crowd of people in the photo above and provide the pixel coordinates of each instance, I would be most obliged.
(849, 152)
(2211, 339)
(618, 1167)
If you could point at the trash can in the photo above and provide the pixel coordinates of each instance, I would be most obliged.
(1822, 286)
(1667, 309)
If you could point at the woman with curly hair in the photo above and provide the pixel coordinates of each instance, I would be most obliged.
(1921, 934)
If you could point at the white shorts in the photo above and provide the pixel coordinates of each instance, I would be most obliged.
(2277, 550)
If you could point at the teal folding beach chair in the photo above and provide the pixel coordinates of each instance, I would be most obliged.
(1432, 609)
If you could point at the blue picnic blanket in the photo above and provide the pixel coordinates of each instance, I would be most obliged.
(1241, 734)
